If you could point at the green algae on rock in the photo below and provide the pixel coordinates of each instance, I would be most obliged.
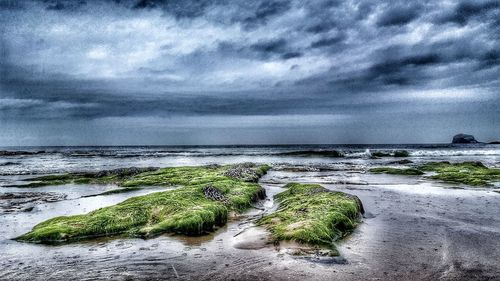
(115, 191)
(471, 173)
(185, 210)
(313, 215)
(116, 176)
(131, 177)
(396, 171)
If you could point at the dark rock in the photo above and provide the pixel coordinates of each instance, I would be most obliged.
(494, 142)
(260, 195)
(464, 138)
(9, 163)
(25, 201)
(16, 153)
(314, 153)
(124, 172)
(244, 171)
(401, 162)
(214, 194)
(28, 209)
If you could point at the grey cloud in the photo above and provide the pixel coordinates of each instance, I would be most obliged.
(129, 59)
(262, 50)
(264, 11)
(271, 46)
(398, 15)
(465, 10)
(329, 41)
(178, 8)
(320, 27)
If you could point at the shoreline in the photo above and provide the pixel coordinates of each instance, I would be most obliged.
(415, 231)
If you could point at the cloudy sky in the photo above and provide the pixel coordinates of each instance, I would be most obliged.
(248, 72)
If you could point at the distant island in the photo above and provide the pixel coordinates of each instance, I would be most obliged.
(465, 138)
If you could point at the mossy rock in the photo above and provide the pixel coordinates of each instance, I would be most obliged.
(185, 210)
(312, 215)
(470, 173)
(396, 171)
(150, 176)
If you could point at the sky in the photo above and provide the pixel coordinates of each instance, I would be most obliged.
(139, 72)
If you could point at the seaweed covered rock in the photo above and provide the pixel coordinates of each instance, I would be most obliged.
(313, 215)
(124, 172)
(149, 176)
(470, 173)
(115, 176)
(246, 172)
(201, 204)
(396, 171)
(315, 153)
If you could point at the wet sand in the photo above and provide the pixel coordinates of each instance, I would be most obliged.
(412, 230)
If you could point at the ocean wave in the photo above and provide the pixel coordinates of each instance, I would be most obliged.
(313, 153)
(9, 163)
(19, 153)
(461, 152)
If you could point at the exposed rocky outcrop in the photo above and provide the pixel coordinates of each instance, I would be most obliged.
(25, 201)
(464, 138)
(214, 194)
(246, 172)
(125, 172)
(17, 153)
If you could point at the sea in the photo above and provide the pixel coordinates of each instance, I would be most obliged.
(52, 160)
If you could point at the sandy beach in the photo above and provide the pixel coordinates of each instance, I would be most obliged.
(412, 229)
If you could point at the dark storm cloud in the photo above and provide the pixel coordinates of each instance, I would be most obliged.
(321, 26)
(265, 10)
(328, 41)
(178, 8)
(399, 15)
(263, 61)
(261, 50)
(93, 99)
(466, 10)
(272, 46)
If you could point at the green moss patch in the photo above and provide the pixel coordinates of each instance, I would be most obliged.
(115, 191)
(396, 171)
(186, 210)
(471, 173)
(312, 215)
(116, 176)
